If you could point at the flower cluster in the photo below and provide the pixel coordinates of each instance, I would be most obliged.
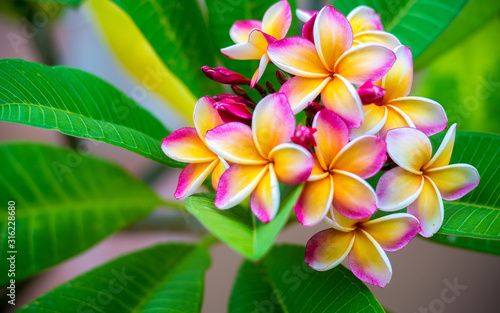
(353, 81)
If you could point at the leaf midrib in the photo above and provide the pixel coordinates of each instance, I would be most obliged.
(457, 234)
(475, 205)
(85, 205)
(79, 115)
(274, 289)
(401, 13)
(159, 282)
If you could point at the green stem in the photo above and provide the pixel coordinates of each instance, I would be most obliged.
(208, 240)
(174, 204)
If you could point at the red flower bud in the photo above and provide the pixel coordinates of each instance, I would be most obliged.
(233, 108)
(281, 77)
(314, 107)
(224, 76)
(304, 136)
(370, 93)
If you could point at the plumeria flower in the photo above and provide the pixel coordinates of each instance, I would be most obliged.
(364, 241)
(252, 37)
(188, 145)
(366, 26)
(339, 172)
(421, 182)
(397, 109)
(365, 23)
(364, 18)
(329, 66)
(305, 15)
(262, 156)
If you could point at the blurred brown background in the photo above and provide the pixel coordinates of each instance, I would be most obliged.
(421, 271)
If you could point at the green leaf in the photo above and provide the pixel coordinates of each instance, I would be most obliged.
(238, 227)
(475, 14)
(165, 278)
(466, 81)
(65, 202)
(417, 23)
(221, 16)
(283, 283)
(79, 104)
(64, 2)
(177, 32)
(477, 214)
(479, 245)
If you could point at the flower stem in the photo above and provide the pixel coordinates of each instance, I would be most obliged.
(173, 204)
(261, 90)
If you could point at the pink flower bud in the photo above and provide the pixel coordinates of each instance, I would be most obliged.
(224, 76)
(233, 108)
(304, 136)
(370, 93)
(232, 97)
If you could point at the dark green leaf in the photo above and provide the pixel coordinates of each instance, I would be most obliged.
(177, 32)
(165, 278)
(480, 245)
(78, 104)
(477, 214)
(65, 202)
(417, 23)
(283, 283)
(238, 227)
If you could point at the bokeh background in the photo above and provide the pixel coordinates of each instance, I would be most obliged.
(464, 78)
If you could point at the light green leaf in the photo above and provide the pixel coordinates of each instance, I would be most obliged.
(466, 81)
(474, 244)
(165, 278)
(65, 202)
(283, 283)
(177, 32)
(417, 23)
(477, 214)
(221, 16)
(475, 14)
(238, 227)
(79, 104)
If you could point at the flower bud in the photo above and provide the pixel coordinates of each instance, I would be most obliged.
(270, 87)
(281, 77)
(370, 93)
(232, 97)
(304, 136)
(238, 90)
(314, 108)
(233, 108)
(224, 76)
